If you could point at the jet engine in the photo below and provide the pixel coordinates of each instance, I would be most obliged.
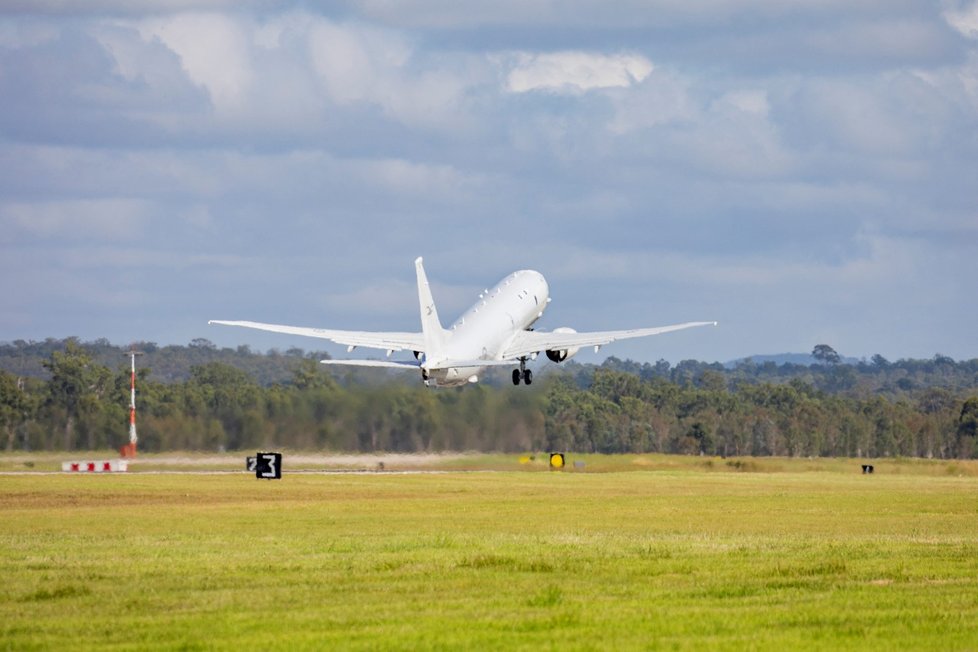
(559, 355)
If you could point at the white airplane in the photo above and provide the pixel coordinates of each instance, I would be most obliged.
(493, 332)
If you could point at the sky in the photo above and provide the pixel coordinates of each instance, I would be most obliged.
(802, 172)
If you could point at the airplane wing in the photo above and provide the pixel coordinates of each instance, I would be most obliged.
(529, 342)
(391, 341)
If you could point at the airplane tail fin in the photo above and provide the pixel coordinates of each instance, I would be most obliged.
(434, 334)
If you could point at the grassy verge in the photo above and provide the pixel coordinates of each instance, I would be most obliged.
(672, 559)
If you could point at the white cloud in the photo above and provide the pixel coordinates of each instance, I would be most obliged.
(668, 120)
(213, 49)
(968, 76)
(279, 30)
(598, 14)
(748, 101)
(20, 34)
(103, 7)
(663, 97)
(742, 169)
(359, 64)
(407, 178)
(575, 71)
(354, 62)
(199, 216)
(80, 219)
(856, 116)
(964, 20)
(395, 297)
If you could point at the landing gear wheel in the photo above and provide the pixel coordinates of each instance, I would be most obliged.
(516, 376)
(527, 376)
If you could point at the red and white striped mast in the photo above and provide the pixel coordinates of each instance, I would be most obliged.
(129, 450)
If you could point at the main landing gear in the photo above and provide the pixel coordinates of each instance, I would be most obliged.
(522, 373)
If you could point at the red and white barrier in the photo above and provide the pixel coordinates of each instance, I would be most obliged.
(96, 466)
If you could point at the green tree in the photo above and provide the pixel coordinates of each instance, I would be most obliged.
(231, 396)
(14, 406)
(76, 389)
(880, 362)
(968, 428)
(712, 381)
(308, 374)
(825, 353)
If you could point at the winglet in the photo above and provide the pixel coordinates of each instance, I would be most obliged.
(434, 334)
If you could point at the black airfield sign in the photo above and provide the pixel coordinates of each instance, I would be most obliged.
(268, 466)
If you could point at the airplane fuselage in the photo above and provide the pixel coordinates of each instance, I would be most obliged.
(485, 330)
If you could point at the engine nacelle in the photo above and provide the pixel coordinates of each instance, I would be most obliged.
(559, 355)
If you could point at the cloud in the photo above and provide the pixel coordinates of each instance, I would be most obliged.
(964, 20)
(575, 72)
(101, 8)
(352, 61)
(748, 101)
(772, 168)
(879, 119)
(26, 33)
(80, 219)
(663, 97)
(213, 50)
(627, 14)
(411, 179)
(361, 65)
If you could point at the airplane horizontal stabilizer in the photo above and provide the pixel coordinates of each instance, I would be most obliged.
(390, 364)
(458, 364)
(442, 364)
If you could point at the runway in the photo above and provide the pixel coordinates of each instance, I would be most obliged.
(251, 473)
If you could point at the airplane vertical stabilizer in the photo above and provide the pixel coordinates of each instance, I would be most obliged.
(434, 334)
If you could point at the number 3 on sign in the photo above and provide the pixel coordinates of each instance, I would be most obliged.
(269, 466)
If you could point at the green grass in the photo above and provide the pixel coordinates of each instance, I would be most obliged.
(684, 558)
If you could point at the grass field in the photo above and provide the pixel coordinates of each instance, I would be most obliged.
(789, 554)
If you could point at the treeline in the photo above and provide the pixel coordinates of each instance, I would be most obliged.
(75, 401)
(165, 363)
(620, 412)
(898, 380)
